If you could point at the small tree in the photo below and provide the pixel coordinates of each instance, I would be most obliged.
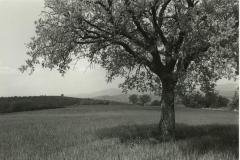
(235, 101)
(156, 103)
(222, 101)
(194, 100)
(210, 100)
(143, 99)
(133, 98)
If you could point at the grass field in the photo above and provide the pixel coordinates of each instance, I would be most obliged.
(120, 132)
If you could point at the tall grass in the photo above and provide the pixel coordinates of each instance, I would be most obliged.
(116, 133)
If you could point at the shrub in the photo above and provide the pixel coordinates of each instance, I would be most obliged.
(143, 99)
(210, 100)
(214, 100)
(133, 98)
(156, 103)
(235, 101)
(194, 100)
(222, 101)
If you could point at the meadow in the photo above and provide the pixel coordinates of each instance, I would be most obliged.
(117, 132)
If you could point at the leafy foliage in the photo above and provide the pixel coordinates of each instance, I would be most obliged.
(133, 99)
(144, 41)
(222, 101)
(235, 101)
(143, 99)
(210, 100)
(156, 103)
(194, 100)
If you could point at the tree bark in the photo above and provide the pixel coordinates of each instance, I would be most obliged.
(167, 119)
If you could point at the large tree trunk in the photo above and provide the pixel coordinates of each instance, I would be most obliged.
(167, 120)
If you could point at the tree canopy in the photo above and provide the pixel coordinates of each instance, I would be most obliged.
(133, 98)
(140, 39)
(143, 99)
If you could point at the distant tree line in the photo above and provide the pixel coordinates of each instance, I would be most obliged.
(143, 100)
(235, 101)
(194, 99)
(199, 100)
(139, 99)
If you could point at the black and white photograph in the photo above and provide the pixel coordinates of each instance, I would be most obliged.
(119, 79)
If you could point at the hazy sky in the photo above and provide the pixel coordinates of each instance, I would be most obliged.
(16, 27)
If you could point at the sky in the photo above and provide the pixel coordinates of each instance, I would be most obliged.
(16, 28)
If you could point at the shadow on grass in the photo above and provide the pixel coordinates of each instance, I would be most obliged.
(190, 139)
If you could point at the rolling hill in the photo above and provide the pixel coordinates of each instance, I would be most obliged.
(114, 94)
(105, 92)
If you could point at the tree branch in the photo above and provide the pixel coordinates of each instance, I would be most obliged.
(161, 12)
(157, 28)
(95, 26)
(138, 25)
(183, 63)
(121, 31)
(179, 42)
(107, 9)
(133, 53)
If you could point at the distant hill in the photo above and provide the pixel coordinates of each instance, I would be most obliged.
(112, 94)
(117, 98)
(115, 94)
(105, 92)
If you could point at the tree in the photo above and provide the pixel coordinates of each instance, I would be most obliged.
(194, 100)
(133, 99)
(235, 100)
(198, 100)
(143, 99)
(222, 101)
(156, 103)
(155, 44)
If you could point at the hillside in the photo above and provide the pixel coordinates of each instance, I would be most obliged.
(17, 104)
